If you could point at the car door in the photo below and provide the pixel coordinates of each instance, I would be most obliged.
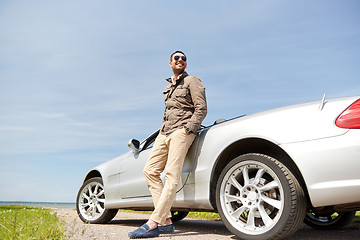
(132, 181)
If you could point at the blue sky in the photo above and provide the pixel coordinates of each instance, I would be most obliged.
(80, 78)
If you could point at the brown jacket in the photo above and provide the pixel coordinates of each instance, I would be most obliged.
(185, 104)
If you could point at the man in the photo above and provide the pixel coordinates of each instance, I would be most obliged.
(185, 109)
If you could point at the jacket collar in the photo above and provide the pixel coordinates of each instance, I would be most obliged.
(181, 76)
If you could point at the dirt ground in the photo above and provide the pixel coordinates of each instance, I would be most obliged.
(187, 229)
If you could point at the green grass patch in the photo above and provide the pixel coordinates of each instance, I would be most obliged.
(198, 215)
(205, 215)
(25, 222)
(357, 217)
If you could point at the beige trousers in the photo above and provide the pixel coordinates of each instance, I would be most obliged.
(168, 153)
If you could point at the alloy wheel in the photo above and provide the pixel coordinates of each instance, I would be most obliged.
(91, 201)
(252, 197)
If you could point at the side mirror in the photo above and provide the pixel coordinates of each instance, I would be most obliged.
(134, 145)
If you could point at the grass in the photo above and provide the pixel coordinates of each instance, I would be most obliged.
(216, 217)
(24, 222)
(198, 215)
(357, 217)
(204, 215)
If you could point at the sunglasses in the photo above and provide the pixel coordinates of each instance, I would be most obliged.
(178, 57)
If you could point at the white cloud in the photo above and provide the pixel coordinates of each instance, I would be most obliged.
(15, 129)
(24, 185)
(52, 115)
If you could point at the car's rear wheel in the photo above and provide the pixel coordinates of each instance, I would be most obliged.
(90, 202)
(177, 216)
(328, 219)
(259, 198)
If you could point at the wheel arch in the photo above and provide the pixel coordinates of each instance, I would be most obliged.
(92, 174)
(251, 145)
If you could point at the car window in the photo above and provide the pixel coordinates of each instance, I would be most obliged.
(149, 142)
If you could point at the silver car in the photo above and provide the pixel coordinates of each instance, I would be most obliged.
(264, 173)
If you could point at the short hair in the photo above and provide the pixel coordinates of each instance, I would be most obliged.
(175, 53)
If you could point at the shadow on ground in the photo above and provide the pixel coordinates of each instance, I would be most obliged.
(191, 227)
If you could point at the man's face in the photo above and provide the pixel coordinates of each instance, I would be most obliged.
(177, 63)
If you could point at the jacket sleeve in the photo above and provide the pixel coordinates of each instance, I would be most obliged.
(197, 92)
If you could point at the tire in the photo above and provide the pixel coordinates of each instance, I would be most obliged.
(90, 202)
(328, 219)
(257, 197)
(177, 216)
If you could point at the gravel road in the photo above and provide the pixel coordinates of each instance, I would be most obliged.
(187, 229)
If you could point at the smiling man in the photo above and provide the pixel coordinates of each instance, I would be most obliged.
(185, 109)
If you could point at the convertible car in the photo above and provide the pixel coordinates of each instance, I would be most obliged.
(264, 173)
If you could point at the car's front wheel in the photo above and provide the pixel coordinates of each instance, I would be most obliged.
(327, 218)
(259, 198)
(90, 202)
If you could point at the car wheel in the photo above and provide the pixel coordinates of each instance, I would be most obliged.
(90, 202)
(257, 197)
(177, 216)
(328, 219)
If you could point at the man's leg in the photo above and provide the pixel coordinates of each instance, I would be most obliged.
(155, 165)
(178, 144)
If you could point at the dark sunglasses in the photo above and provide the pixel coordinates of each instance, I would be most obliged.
(178, 57)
